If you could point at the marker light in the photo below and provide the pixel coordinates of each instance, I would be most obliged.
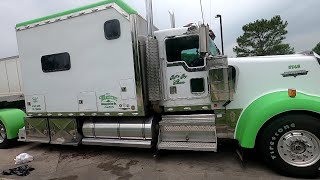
(292, 93)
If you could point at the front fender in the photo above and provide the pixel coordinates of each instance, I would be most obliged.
(13, 120)
(264, 108)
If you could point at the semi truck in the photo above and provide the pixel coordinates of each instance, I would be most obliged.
(103, 75)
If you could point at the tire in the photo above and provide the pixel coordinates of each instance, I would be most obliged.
(290, 145)
(4, 142)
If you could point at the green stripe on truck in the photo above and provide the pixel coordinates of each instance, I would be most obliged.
(13, 120)
(266, 107)
(120, 3)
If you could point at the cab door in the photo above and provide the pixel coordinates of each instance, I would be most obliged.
(185, 73)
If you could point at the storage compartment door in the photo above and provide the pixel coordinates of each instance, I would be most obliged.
(87, 102)
(37, 130)
(64, 131)
(35, 103)
(127, 89)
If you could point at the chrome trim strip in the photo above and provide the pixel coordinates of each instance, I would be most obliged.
(85, 114)
(137, 65)
(117, 142)
(185, 66)
(149, 15)
(76, 14)
(188, 108)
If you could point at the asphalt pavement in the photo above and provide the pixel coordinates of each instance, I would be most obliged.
(56, 162)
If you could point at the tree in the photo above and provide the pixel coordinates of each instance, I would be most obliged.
(263, 37)
(317, 48)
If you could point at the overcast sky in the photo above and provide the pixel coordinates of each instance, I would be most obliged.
(303, 17)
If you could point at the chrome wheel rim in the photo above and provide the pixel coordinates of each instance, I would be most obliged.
(299, 148)
(3, 134)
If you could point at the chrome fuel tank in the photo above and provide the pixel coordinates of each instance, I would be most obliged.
(118, 128)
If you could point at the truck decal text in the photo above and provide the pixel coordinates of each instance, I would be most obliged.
(294, 66)
(108, 101)
(36, 107)
(34, 99)
(178, 79)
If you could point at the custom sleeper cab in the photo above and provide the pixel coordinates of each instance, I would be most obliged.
(103, 75)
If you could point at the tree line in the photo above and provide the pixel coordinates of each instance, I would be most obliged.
(265, 37)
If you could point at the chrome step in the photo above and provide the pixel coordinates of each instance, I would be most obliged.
(199, 119)
(117, 142)
(188, 132)
(193, 146)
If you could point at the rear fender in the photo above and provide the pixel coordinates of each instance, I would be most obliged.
(13, 120)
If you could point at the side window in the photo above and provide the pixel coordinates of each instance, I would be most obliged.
(185, 49)
(112, 29)
(56, 62)
(232, 77)
(197, 85)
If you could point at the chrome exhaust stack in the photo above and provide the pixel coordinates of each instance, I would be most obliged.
(153, 63)
(149, 15)
(172, 19)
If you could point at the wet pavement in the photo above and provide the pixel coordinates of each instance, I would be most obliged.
(56, 162)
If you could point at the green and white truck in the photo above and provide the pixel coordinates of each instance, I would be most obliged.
(103, 75)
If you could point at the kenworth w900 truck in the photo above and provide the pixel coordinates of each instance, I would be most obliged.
(103, 75)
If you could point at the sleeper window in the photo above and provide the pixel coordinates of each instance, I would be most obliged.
(56, 62)
(112, 29)
(197, 85)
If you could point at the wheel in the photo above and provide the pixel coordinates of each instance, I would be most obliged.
(4, 142)
(290, 144)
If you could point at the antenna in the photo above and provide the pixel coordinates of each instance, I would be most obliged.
(201, 11)
(210, 14)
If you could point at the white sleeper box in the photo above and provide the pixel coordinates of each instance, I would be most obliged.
(101, 77)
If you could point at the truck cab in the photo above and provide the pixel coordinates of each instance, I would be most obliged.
(184, 72)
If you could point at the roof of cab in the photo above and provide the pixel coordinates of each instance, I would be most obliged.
(120, 3)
